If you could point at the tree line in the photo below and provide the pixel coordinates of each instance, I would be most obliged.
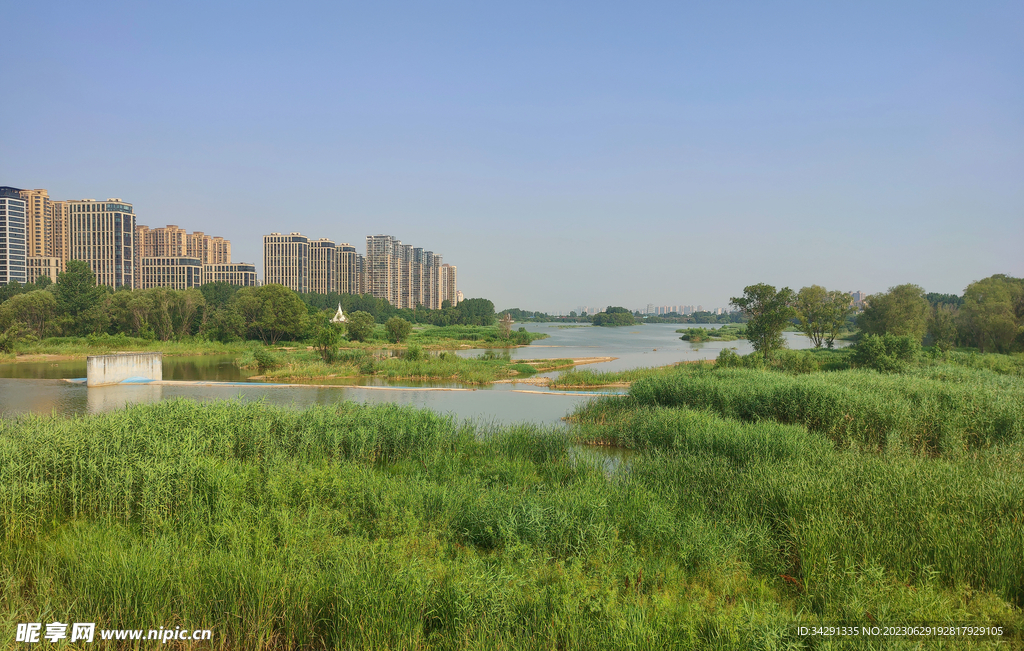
(989, 315)
(76, 306)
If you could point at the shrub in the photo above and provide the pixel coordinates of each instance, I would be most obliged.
(398, 329)
(413, 353)
(887, 353)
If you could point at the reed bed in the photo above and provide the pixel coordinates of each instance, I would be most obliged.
(387, 527)
(589, 378)
(936, 410)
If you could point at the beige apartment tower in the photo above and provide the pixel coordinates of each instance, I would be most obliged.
(46, 234)
(103, 235)
(448, 290)
(171, 272)
(242, 274)
(286, 261)
(323, 266)
(347, 276)
(42, 265)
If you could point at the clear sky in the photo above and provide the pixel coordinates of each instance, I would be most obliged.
(560, 154)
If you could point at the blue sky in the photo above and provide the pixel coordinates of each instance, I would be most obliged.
(561, 154)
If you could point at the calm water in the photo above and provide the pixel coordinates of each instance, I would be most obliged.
(38, 387)
(657, 344)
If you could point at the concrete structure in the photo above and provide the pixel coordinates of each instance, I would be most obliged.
(103, 235)
(286, 261)
(103, 370)
(12, 235)
(242, 274)
(174, 273)
(36, 266)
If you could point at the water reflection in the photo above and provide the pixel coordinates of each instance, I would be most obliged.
(503, 406)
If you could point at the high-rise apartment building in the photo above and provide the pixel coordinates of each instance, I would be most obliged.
(12, 235)
(380, 263)
(103, 234)
(323, 266)
(347, 275)
(432, 280)
(209, 249)
(448, 291)
(242, 274)
(38, 222)
(286, 261)
(180, 272)
(42, 265)
(46, 234)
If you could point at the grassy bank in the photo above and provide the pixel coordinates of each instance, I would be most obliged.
(943, 409)
(728, 332)
(386, 527)
(81, 347)
(411, 363)
(425, 336)
(581, 378)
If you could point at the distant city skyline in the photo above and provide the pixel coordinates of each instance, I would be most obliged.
(564, 154)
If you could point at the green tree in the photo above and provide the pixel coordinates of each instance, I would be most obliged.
(398, 329)
(942, 325)
(79, 299)
(769, 312)
(993, 313)
(42, 282)
(271, 312)
(35, 309)
(218, 294)
(326, 336)
(12, 288)
(822, 313)
(360, 326)
(475, 311)
(903, 310)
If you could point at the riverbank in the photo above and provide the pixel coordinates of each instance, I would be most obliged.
(425, 336)
(398, 364)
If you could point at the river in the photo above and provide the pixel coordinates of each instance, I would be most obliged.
(40, 387)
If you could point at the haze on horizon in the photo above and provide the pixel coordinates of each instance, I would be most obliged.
(560, 154)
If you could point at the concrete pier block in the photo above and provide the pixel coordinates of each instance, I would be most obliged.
(101, 370)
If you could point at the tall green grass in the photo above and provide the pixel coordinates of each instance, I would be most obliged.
(940, 410)
(388, 527)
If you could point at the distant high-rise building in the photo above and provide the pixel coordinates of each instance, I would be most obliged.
(347, 275)
(42, 265)
(323, 266)
(173, 242)
(286, 261)
(448, 291)
(401, 274)
(102, 233)
(175, 273)
(38, 221)
(380, 262)
(242, 274)
(12, 236)
(46, 234)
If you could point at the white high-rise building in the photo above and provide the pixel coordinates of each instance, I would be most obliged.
(12, 236)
